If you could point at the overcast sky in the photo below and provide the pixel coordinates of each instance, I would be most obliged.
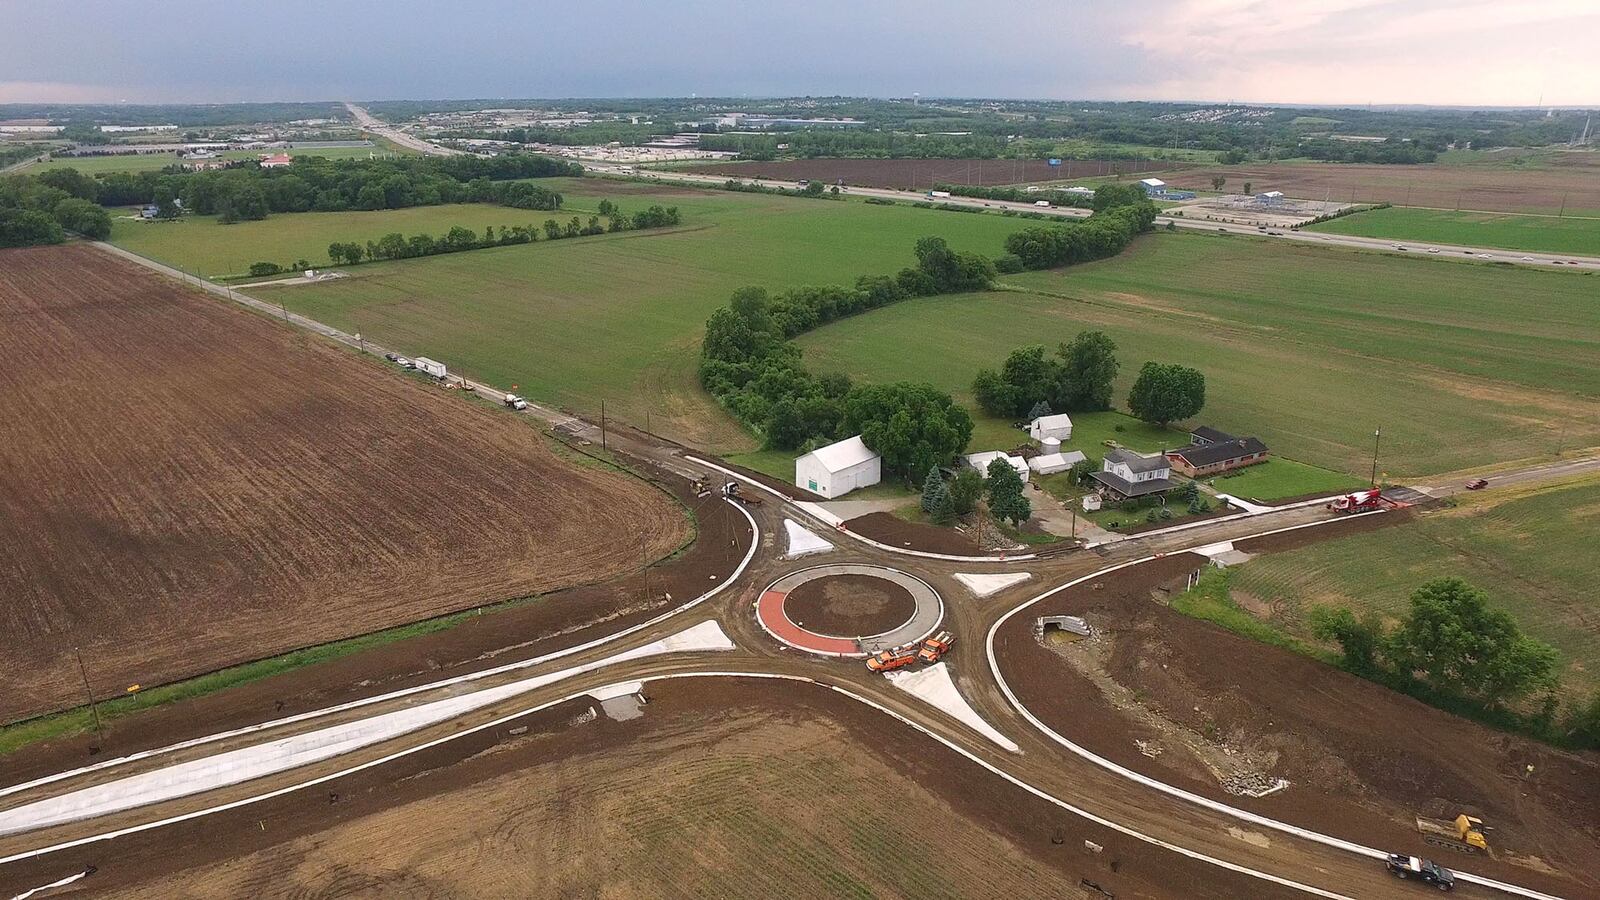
(1457, 52)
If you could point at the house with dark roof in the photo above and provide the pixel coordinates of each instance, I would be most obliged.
(1124, 474)
(1212, 452)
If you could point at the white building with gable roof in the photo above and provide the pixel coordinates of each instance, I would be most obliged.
(838, 469)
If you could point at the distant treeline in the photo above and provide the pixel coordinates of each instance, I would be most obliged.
(397, 246)
(315, 183)
(1017, 195)
(1121, 212)
(182, 115)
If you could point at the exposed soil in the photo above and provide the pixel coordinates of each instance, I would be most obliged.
(925, 173)
(1186, 701)
(189, 486)
(849, 605)
(1143, 526)
(500, 635)
(889, 529)
(723, 788)
(1577, 182)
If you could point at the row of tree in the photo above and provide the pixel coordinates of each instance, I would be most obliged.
(945, 500)
(1452, 646)
(32, 212)
(1121, 213)
(397, 246)
(247, 191)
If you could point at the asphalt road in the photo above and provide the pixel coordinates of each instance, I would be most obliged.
(377, 126)
(1445, 251)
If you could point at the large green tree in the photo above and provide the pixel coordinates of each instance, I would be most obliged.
(1166, 393)
(912, 426)
(1005, 493)
(1086, 374)
(1458, 643)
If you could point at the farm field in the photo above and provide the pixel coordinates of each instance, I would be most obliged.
(190, 486)
(1569, 234)
(153, 162)
(1538, 186)
(618, 318)
(911, 174)
(720, 790)
(1308, 348)
(1529, 548)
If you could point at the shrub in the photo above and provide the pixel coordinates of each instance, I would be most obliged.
(265, 268)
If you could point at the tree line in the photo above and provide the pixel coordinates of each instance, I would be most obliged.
(1121, 213)
(36, 211)
(751, 365)
(1454, 650)
(459, 238)
(247, 191)
(1080, 378)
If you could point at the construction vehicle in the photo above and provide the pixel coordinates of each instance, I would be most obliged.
(732, 492)
(701, 486)
(1477, 484)
(1357, 501)
(934, 648)
(893, 658)
(514, 402)
(1424, 870)
(1464, 833)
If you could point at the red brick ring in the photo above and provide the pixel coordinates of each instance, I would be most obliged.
(770, 612)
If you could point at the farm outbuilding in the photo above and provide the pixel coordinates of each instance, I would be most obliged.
(839, 468)
(1058, 426)
(1051, 463)
(981, 461)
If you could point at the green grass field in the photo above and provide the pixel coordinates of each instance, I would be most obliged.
(151, 162)
(615, 317)
(1308, 348)
(1578, 236)
(1278, 478)
(1530, 549)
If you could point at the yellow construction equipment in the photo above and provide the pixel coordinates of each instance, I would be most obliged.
(1464, 833)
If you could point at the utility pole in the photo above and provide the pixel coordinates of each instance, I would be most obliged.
(1375, 435)
(89, 693)
(602, 425)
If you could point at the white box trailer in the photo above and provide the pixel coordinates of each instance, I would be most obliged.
(431, 366)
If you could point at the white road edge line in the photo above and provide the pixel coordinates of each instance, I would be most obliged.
(1215, 805)
(1099, 820)
(755, 542)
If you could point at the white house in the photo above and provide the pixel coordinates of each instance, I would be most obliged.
(838, 469)
(1126, 474)
(1051, 463)
(981, 461)
(1058, 426)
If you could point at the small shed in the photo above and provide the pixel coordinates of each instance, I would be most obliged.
(1058, 426)
(981, 461)
(839, 468)
(1051, 463)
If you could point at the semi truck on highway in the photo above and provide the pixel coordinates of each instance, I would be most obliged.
(431, 366)
(938, 195)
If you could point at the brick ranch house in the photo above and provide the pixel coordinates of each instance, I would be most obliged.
(1211, 451)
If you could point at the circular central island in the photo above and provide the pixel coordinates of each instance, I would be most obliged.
(849, 609)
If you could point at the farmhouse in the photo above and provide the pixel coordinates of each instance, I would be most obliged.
(1058, 426)
(981, 461)
(1211, 451)
(1126, 474)
(839, 468)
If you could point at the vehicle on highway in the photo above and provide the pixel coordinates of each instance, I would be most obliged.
(1426, 871)
(1433, 249)
(514, 402)
(1527, 259)
(1399, 247)
(1477, 484)
(405, 363)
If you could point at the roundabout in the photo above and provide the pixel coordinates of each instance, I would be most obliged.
(848, 609)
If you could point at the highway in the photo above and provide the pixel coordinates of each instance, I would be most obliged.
(1444, 251)
(411, 142)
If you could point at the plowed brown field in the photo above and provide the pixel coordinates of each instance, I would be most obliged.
(188, 486)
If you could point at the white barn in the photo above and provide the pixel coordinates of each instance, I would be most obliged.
(1058, 426)
(981, 461)
(1051, 463)
(838, 469)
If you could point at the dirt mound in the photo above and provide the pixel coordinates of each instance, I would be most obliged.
(190, 486)
(1180, 698)
(886, 528)
(849, 605)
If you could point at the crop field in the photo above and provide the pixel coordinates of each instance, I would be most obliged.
(1309, 348)
(1570, 234)
(189, 486)
(618, 318)
(1529, 548)
(925, 173)
(1541, 185)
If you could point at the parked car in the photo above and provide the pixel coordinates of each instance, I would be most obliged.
(1426, 871)
(1433, 249)
(392, 357)
(1477, 484)
(405, 363)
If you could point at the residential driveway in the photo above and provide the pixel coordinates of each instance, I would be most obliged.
(1055, 517)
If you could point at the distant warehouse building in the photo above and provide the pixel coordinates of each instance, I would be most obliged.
(838, 469)
(1156, 189)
